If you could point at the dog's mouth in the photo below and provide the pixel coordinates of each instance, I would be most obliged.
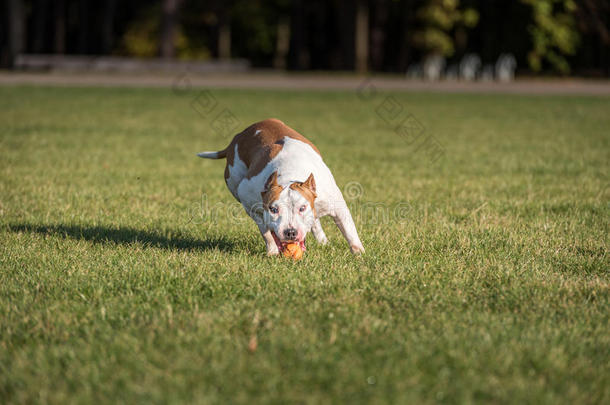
(281, 244)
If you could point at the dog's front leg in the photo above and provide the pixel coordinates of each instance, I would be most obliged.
(269, 241)
(257, 216)
(343, 219)
(318, 232)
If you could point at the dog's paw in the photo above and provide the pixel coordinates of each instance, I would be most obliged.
(273, 252)
(357, 249)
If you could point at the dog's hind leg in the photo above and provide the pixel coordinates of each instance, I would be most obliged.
(318, 232)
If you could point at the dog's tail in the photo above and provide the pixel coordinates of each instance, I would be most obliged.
(221, 154)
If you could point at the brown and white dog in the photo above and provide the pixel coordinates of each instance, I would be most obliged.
(282, 182)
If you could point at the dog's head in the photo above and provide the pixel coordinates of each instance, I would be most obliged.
(289, 211)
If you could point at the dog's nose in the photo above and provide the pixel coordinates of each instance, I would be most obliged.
(290, 233)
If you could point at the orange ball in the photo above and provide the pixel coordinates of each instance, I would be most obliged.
(293, 250)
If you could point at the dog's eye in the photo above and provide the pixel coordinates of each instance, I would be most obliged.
(273, 210)
(303, 208)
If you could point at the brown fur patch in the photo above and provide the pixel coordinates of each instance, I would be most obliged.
(307, 190)
(272, 190)
(256, 150)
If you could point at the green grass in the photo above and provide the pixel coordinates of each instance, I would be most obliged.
(128, 275)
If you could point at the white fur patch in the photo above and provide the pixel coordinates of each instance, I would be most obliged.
(237, 172)
(293, 163)
(289, 215)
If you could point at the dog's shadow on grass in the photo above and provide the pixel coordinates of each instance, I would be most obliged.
(125, 236)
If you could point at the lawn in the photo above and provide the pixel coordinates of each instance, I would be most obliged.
(129, 274)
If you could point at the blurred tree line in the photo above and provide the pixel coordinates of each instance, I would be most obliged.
(565, 36)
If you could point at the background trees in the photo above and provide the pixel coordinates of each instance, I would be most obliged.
(553, 33)
(443, 26)
(553, 36)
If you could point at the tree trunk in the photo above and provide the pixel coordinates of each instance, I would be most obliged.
(167, 48)
(60, 27)
(378, 34)
(346, 23)
(224, 34)
(362, 36)
(282, 45)
(298, 55)
(108, 26)
(16, 32)
(40, 25)
(404, 50)
(84, 27)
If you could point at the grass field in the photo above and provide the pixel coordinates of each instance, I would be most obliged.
(129, 274)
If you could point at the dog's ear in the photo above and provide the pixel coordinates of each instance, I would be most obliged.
(307, 190)
(310, 183)
(271, 191)
(271, 182)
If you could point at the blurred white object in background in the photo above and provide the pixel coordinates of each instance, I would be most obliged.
(505, 67)
(469, 66)
(433, 67)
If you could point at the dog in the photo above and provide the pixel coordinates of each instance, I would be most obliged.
(282, 182)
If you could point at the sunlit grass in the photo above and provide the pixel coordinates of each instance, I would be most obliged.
(127, 273)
